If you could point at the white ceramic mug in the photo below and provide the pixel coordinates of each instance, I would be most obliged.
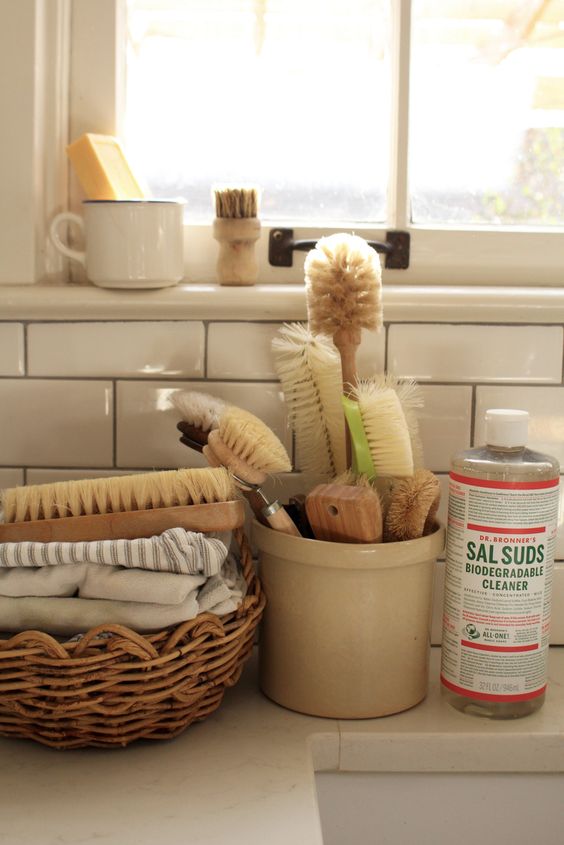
(129, 243)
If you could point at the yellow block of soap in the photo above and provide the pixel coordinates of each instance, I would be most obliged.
(102, 169)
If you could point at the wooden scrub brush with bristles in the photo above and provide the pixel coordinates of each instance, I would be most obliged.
(248, 448)
(200, 413)
(385, 427)
(123, 507)
(236, 227)
(309, 369)
(344, 295)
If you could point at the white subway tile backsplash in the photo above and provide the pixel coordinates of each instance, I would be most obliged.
(444, 423)
(371, 354)
(56, 422)
(241, 350)
(144, 349)
(476, 353)
(544, 404)
(146, 421)
(12, 358)
(50, 476)
(11, 477)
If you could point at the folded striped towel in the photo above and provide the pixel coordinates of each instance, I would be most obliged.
(175, 550)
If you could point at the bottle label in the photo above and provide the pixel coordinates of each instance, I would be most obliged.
(499, 560)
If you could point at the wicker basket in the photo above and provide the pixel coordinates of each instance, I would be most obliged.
(114, 686)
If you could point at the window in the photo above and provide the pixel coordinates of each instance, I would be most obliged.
(295, 95)
(285, 98)
(441, 117)
(487, 113)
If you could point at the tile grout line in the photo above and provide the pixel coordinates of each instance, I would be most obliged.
(114, 423)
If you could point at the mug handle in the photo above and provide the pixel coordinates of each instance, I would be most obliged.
(65, 217)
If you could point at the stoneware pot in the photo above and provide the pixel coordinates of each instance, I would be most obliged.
(346, 629)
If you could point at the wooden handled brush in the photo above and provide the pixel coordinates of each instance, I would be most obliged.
(345, 514)
(236, 228)
(248, 448)
(309, 370)
(344, 295)
(121, 507)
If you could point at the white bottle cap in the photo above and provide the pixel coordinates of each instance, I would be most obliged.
(505, 427)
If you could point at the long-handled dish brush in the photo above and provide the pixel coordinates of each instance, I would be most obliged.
(236, 227)
(123, 507)
(250, 451)
(344, 295)
(309, 369)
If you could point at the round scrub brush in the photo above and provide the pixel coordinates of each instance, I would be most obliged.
(413, 507)
(344, 295)
(233, 438)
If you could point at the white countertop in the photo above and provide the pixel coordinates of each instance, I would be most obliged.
(246, 774)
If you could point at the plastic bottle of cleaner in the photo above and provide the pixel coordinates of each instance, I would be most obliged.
(502, 522)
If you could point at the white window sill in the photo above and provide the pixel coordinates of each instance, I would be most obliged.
(276, 302)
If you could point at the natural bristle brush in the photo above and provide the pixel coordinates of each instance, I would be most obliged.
(413, 507)
(123, 507)
(309, 369)
(386, 428)
(250, 451)
(343, 280)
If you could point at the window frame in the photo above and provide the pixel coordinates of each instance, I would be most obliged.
(34, 63)
(66, 39)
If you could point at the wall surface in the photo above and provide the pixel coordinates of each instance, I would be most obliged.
(82, 399)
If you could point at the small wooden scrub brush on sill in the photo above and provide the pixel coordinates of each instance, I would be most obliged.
(236, 227)
(125, 507)
(231, 437)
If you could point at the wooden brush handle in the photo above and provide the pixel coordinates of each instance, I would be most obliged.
(192, 432)
(236, 262)
(129, 525)
(347, 342)
(344, 514)
(218, 454)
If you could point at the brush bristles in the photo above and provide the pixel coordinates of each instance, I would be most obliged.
(386, 429)
(199, 409)
(236, 202)
(343, 280)
(309, 369)
(413, 507)
(351, 479)
(411, 400)
(253, 442)
(118, 494)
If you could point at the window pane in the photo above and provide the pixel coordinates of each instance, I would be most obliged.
(487, 113)
(289, 94)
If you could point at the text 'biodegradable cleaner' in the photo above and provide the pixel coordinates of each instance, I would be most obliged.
(502, 523)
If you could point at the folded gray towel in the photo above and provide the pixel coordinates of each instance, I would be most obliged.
(175, 550)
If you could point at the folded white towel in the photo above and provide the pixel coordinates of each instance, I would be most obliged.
(175, 550)
(68, 616)
(96, 581)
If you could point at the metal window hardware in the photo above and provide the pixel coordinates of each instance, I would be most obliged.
(281, 245)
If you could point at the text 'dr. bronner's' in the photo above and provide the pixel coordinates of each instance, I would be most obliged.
(502, 523)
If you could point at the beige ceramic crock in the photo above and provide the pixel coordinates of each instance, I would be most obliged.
(346, 629)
